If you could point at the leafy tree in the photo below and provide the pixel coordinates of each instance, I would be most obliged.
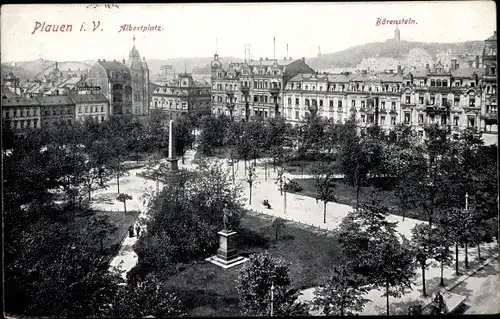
(325, 185)
(341, 294)
(148, 297)
(251, 177)
(255, 279)
(122, 197)
(102, 229)
(426, 243)
(184, 137)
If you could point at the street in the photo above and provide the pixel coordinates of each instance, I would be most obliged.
(483, 289)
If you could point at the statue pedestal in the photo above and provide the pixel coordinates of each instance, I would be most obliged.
(227, 255)
(174, 166)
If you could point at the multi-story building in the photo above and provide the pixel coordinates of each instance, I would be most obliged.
(450, 98)
(368, 97)
(125, 85)
(489, 112)
(56, 110)
(21, 113)
(181, 95)
(94, 106)
(260, 83)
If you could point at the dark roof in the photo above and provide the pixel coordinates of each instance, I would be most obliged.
(88, 98)
(309, 77)
(54, 100)
(113, 65)
(341, 78)
(493, 37)
(467, 72)
(19, 101)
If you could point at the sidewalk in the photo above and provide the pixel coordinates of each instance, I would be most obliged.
(137, 186)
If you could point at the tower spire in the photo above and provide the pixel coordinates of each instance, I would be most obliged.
(133, 40)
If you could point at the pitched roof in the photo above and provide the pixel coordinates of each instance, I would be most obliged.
(111, 66)
(88, 98)
(341, 78)
(19, 101)
(309, 77)
(54, 100)
(270, 62)
(467, 72)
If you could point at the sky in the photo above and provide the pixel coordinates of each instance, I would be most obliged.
(198, 29)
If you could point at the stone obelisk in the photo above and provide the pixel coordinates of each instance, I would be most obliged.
(171, 149)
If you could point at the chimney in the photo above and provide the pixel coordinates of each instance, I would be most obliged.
(123, 61)
(266, 58)
(303, 59)
(453, 64)
(399, 69)
(427, 66)
(477, 61)
(114, 60)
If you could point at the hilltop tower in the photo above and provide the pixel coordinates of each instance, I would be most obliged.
(319, 51)
(397, 34)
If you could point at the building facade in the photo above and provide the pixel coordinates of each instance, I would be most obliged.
(454, 98)
(260, 83)
(182, 95)
(489, 114)
(21, 113)
(90, 106)
(56, 110)
(126, 85)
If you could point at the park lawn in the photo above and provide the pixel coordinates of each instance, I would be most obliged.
(346, 194)
(208, 290)
(295, 168)
(122, 220)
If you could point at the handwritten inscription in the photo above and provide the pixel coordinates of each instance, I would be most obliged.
(142, 28)
(48, 27)
(94, 26)
(389, 21)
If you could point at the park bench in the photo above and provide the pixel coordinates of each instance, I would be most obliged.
(265, 202)
(453, 303)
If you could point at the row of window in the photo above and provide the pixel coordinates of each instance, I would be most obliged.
(347, 87)
(22, 113)
(443, 101)
(24, 124)
(92, 109)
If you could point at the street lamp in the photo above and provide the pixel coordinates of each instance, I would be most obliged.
(272, 299)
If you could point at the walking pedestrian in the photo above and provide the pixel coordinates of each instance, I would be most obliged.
(131, 231)
(137, 229)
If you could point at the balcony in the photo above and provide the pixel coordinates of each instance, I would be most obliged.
(275, 91)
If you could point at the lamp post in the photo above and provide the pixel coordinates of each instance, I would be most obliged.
(245, 90)
(272, 299)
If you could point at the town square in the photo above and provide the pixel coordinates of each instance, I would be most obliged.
(201, 181)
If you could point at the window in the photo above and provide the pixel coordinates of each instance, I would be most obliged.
(255, 98)
(102, 108)
(420, 118)
(471, 121)
(297, 101)
(28, 123)
(265, 98)
(69, 111)
(383, 105)
(407, 117)
(362, 104)
(353, 103)
(86, 109)
(444, 101)
(28, 113)
(69, 121)
(455, 120)
(420, 100)
(363, 118)
(320, 102)
(297, 115)
(289, 100)
(382, 119)
(35, 123)
(339, 103)
(102, 118)
(445, 83)
(393, 106)
(393, 120)
(433, 100)
(433, 82)
(306, 87)
(81, 108)
(331, 103)
(472, 101)
(407, 99)
(321, 88)
(307, 102)
(370, 119)
(7, 114)
(314, 88)
(15, 113)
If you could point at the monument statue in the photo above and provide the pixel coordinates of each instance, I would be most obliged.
(226, 216)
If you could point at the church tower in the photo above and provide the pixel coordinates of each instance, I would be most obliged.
(139, 72)
(397, 34)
